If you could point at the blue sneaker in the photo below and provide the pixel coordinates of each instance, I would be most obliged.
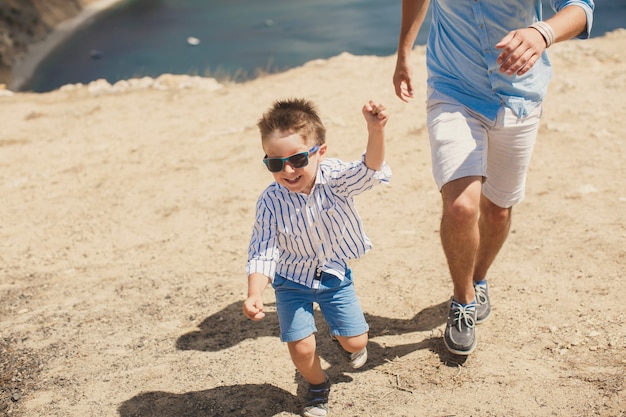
(483, 305)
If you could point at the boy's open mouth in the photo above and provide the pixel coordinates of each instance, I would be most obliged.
(293, 180)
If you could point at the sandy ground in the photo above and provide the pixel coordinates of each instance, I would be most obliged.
(126, 213)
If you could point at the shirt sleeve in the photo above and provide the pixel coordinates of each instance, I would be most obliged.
(353, 178)
(587, 5)
(263, 251)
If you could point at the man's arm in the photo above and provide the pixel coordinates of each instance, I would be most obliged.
(413, 13)
(522, 48)
(568, 23)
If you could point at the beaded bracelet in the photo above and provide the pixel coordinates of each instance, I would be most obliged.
(546, 31)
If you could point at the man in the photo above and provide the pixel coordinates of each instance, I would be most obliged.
(488, 73)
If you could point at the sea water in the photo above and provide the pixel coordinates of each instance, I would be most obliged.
(234, 39)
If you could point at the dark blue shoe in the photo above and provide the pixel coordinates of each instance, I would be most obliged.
(316, 403)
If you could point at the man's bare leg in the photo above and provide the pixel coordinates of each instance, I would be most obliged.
(494, 225)
(460, 238)
(460, 234)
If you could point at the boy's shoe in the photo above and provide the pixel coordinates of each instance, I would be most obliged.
(460, 334)
(316, 401)
(356, 359)
(483, 305)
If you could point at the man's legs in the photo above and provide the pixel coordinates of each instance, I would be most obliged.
(494, 224)
(473, 230)
(471, 239)
(480, 167)
(460, 238)
(460, 234)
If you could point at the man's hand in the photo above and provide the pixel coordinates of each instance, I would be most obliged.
(521, 49)
(402, 80)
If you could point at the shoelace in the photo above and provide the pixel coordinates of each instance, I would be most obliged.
(481, 294)
(463, 315)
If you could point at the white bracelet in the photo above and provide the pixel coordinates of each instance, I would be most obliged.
(546, 31)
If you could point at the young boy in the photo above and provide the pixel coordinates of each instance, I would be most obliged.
(306, 230)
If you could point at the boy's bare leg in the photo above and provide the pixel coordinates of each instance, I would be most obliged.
(305, 358)
(353, 343)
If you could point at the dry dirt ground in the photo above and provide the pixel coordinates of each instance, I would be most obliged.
(126, 213)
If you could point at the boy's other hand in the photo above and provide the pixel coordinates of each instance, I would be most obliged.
(253, 308)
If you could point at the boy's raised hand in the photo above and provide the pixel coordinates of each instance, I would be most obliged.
(376, 115)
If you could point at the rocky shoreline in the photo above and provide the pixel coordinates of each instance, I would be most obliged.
(29, 31)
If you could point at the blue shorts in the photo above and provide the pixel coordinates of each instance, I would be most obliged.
(337, 300)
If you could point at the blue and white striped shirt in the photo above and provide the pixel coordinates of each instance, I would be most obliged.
(296, 235)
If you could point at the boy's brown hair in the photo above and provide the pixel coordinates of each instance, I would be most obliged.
(294, 116)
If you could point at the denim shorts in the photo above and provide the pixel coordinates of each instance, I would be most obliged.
(465, 143)
(337, 301)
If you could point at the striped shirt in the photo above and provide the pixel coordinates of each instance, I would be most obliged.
(296, 235)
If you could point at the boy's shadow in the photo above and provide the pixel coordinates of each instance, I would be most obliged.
(233, 400)
(229, 327)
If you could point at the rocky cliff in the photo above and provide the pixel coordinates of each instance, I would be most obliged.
(23, 22)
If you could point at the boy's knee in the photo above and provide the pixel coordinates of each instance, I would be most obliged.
(353, 343)
(302, 348)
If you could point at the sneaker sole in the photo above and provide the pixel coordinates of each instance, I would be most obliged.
(309, 414)
(484, 319)
(460, 352)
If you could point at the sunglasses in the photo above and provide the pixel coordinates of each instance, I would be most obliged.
(298, 160)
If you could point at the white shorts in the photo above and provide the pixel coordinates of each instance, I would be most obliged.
(465, 143)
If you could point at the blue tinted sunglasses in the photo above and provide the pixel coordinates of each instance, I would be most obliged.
(298, 160)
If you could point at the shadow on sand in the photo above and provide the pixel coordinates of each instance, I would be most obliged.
(229, 327)
(222, 401)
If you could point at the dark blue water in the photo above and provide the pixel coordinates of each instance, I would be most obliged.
(238, 38)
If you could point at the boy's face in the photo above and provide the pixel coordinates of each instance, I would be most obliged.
(285, 144)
